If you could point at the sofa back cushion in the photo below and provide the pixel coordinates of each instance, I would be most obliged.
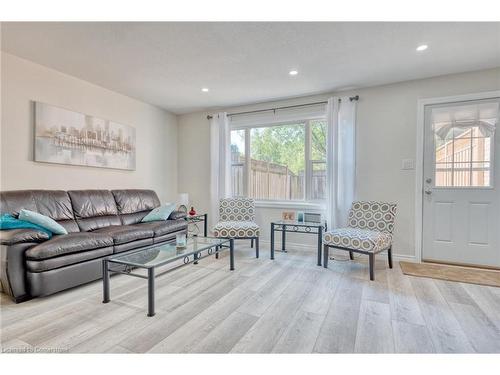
(52, 203)
(56, 205)
(11, 202)
(134, 204)
(94, 209)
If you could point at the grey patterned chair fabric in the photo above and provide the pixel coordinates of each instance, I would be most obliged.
(358, 239)
(369, 227)
(236, 229)
(237, 209)
(369, 231)
(237, 220)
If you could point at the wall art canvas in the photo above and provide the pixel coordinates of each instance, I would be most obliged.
(67, 137)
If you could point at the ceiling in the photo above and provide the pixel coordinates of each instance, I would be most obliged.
(167, 64)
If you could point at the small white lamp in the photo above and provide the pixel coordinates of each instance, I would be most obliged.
(183, 200)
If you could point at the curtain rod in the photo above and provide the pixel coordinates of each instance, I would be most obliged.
(277, 108)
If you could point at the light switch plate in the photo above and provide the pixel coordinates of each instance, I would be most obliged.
(408, 164)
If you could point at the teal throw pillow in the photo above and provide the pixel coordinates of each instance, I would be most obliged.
(8, 222)
(159, 213)
(42, 220)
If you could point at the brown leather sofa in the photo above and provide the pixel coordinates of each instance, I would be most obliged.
(99, 223)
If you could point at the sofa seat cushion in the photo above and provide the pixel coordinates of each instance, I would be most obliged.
(163, 227)
(69, 244)
(236, 229)
(126, 233)
(66, 260)
(358, 239)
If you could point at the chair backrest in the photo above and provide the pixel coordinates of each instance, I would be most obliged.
(372, 215)
(237, 209)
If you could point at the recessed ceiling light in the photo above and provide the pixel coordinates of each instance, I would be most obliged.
(422, 47)
(293, 72)
(205, 89)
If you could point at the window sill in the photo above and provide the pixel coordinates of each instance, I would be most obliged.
(318, 206)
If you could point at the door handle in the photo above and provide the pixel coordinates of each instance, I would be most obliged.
(428, 192)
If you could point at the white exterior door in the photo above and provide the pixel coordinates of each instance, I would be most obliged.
(461, 189)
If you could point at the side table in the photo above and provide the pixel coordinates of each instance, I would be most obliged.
(198, 219)
(289, 226)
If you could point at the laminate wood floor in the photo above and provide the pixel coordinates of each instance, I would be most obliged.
(289, 305)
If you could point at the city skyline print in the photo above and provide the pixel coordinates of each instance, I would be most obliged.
(63, 136)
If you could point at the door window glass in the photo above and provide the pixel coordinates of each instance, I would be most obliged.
(463, 139)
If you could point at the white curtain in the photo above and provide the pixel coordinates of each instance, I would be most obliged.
(341, 155)
(220, 162)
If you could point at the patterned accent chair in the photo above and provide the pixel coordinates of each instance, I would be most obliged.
(237, 221)
(369, 231)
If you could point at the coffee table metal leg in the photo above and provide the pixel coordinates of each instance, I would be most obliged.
(105, 281)
(195, 256)
(151, 291)
(283, 238)
(205, 224)
(272, 241)
(217, 248)
(320, 239)
(231, 254)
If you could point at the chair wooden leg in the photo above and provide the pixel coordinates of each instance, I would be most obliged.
(389, 256)
(371, 257)
(251, 243)
(256, 247)
(351, 255)
(325, 256)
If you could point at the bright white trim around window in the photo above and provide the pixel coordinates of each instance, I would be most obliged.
(317, 206)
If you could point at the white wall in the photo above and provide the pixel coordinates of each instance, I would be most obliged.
(386, 130)
(23, 82)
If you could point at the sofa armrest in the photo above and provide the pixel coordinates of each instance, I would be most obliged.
(13, 270)
(176, 215)
(15, 236)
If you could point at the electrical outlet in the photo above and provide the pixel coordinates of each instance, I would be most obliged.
(408, 164)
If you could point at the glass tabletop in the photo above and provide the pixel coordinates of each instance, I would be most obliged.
(165, 253)
(297, 223)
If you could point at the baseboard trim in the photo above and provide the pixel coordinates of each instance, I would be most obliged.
(404, 258)
(294, 245)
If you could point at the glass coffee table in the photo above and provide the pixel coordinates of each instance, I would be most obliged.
(153, 257)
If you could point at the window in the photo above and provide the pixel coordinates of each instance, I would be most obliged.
(237, 162)
(318, 160)
(285, 162)
(463, 143)
(463, 158)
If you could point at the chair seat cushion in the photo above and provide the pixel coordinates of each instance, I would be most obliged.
(163, 227)
(126, 233)
(358, 239)
(236, 229)
(69, 244)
